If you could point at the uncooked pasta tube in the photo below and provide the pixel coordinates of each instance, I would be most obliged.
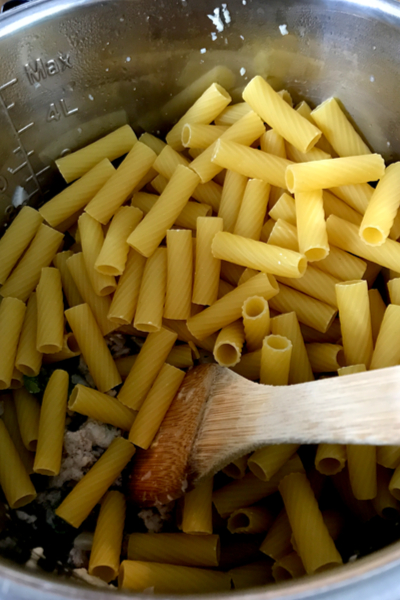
(330, 458)
(101, 407)
(106, 550)
(302, 157)
(256, 321)
(17, 238)
(264, 463)
(284, 208)
(68, 284)
(273, 143)
(111, 146)
(251, 575)
(28, 359)
(179, 274)
(288, 326)
(325, 358)
(92, 240)
(311, 226)
(277, 541)
(393, 286)
(28, 415)
(232, 113)
(197, 509)
(87, 493)
(377, 308)
(386, 352)
(197, 135)
(335, 206)
(276, 354)
(237, 468)
(252, 519)
(249, 365)
(252, 210)
(150, 305)
(175, 549)
(314, 283)
(357, 196)
(124, 303)
(12, 313)
(14, 479)
(52, 425)
(208, 268)
(289, 566)
(70, 349)
(11, 422)
(50, 312)
(361, 462)
(229, 344)
(231, 199)
(384, 502)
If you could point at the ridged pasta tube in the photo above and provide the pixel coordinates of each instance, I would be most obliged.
(146, 367)
(351, 369)
(231, 199)
(229, 344)
(114, 252)
(357, 196)
(94, 349)
(70, 290)
(393, 286)
(28, 359)
(150, 305)
(229, 308)
(288, 326)
(232, 113)
(277, 543)
(361, 463)
(197, 135)
(101, 407)
(342, 265)
(210, 104)
(124, 303)
(14, 479)
(279, 115)
(257, 255)
(252, 519)
(276, 353)
(325, 358)
(302, 157)
(79, 503)
(249, 365)
(330, 458)
(273, 143)
(253, 209)
(288, 567)
(121, 184)
(256, 321)
(323, 174)
(335, 206)
(52, 425)
(311, 226)
(111, 146)
(155, 406)
(382, 208)
(28, 414)
(355, 321)
(107, 541)
(153, 228)
(11, 422)
(17, 238)
(75, 197)
(317, 552)
(251, 575)
(387, 352)
(179, 274)
(264, 463)
(384, 502)
(12, 313)
(92, 240)
(70, 349)
(285, 209)
(39, 254)
(175, 549)
(170, 579)
(338, 130)
(50, 312)
(197, 509)
(314, 283)
(237, 468)
(208, 268)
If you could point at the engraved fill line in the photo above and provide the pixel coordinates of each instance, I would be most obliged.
(6, 85)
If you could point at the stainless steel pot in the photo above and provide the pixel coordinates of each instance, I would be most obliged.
(73, 70)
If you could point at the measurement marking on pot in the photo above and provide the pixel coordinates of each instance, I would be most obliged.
(10, 106)
(25, 128)
(21, 166)
(6, 85)
(16, 150)
(42, 171)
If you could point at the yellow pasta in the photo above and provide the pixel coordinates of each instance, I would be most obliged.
(11, 422)
(309, 311)
(344, 235)
(153, 142)
(70, 349)
(279, 115)
(232, 113)
(318, 552)
(207, 271)
(231, 200)
(249, 365)
(277, 541)
(50, 312)
(179, 274)
(264, 463)
(342, 265)
(92, 240)
(175, 549)
(338, 130)
(14, 479)
(101, 407)
(137, 576)
(351, 369)
(197, 135)
(393, 286)
(114, 252)
(150, 305)
(382, 208)
(355, 321)
(79, 503)
(99, 305)
(17, 238)
(237, 468)
(70, 290)
(377, 308)
(189, 215)
(121, 184)
(28, 359)
(210, 104)
(229, 344)
(231, 272)
(146, 368)
(273, 143)
(28, 415)
(244, 132)
(184, 335)
(287, 325)
(250, 162)
(330, 458)
(39, 254)
(124, 303)
(386, 352)
(311, 226)
(361, 463)
(12, 313)
(335, 206)
(75, 197)
(314, 283)
(252, 519)
(153, 228)
(111, 146)
(197, 509)
(284, 209)
(276, 354)
(107, 541)
(322, 174)
(229, 308)
(388, 456)
(252, 210)
(357, 196)
(282, 234)
(256, 321)
(94, 349)
(384, 502)
(325, 358)
(155, 406)
(251, 575)
(302, 157)
(257, 255)
(51, 425)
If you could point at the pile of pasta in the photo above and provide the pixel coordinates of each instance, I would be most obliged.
(239, 239)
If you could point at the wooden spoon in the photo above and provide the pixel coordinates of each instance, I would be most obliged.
(218, 416)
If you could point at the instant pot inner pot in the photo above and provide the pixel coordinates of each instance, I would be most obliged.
(74, 71)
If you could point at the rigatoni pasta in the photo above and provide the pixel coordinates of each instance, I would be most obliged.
(208, 267)
(50, 312)
(12, 313)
